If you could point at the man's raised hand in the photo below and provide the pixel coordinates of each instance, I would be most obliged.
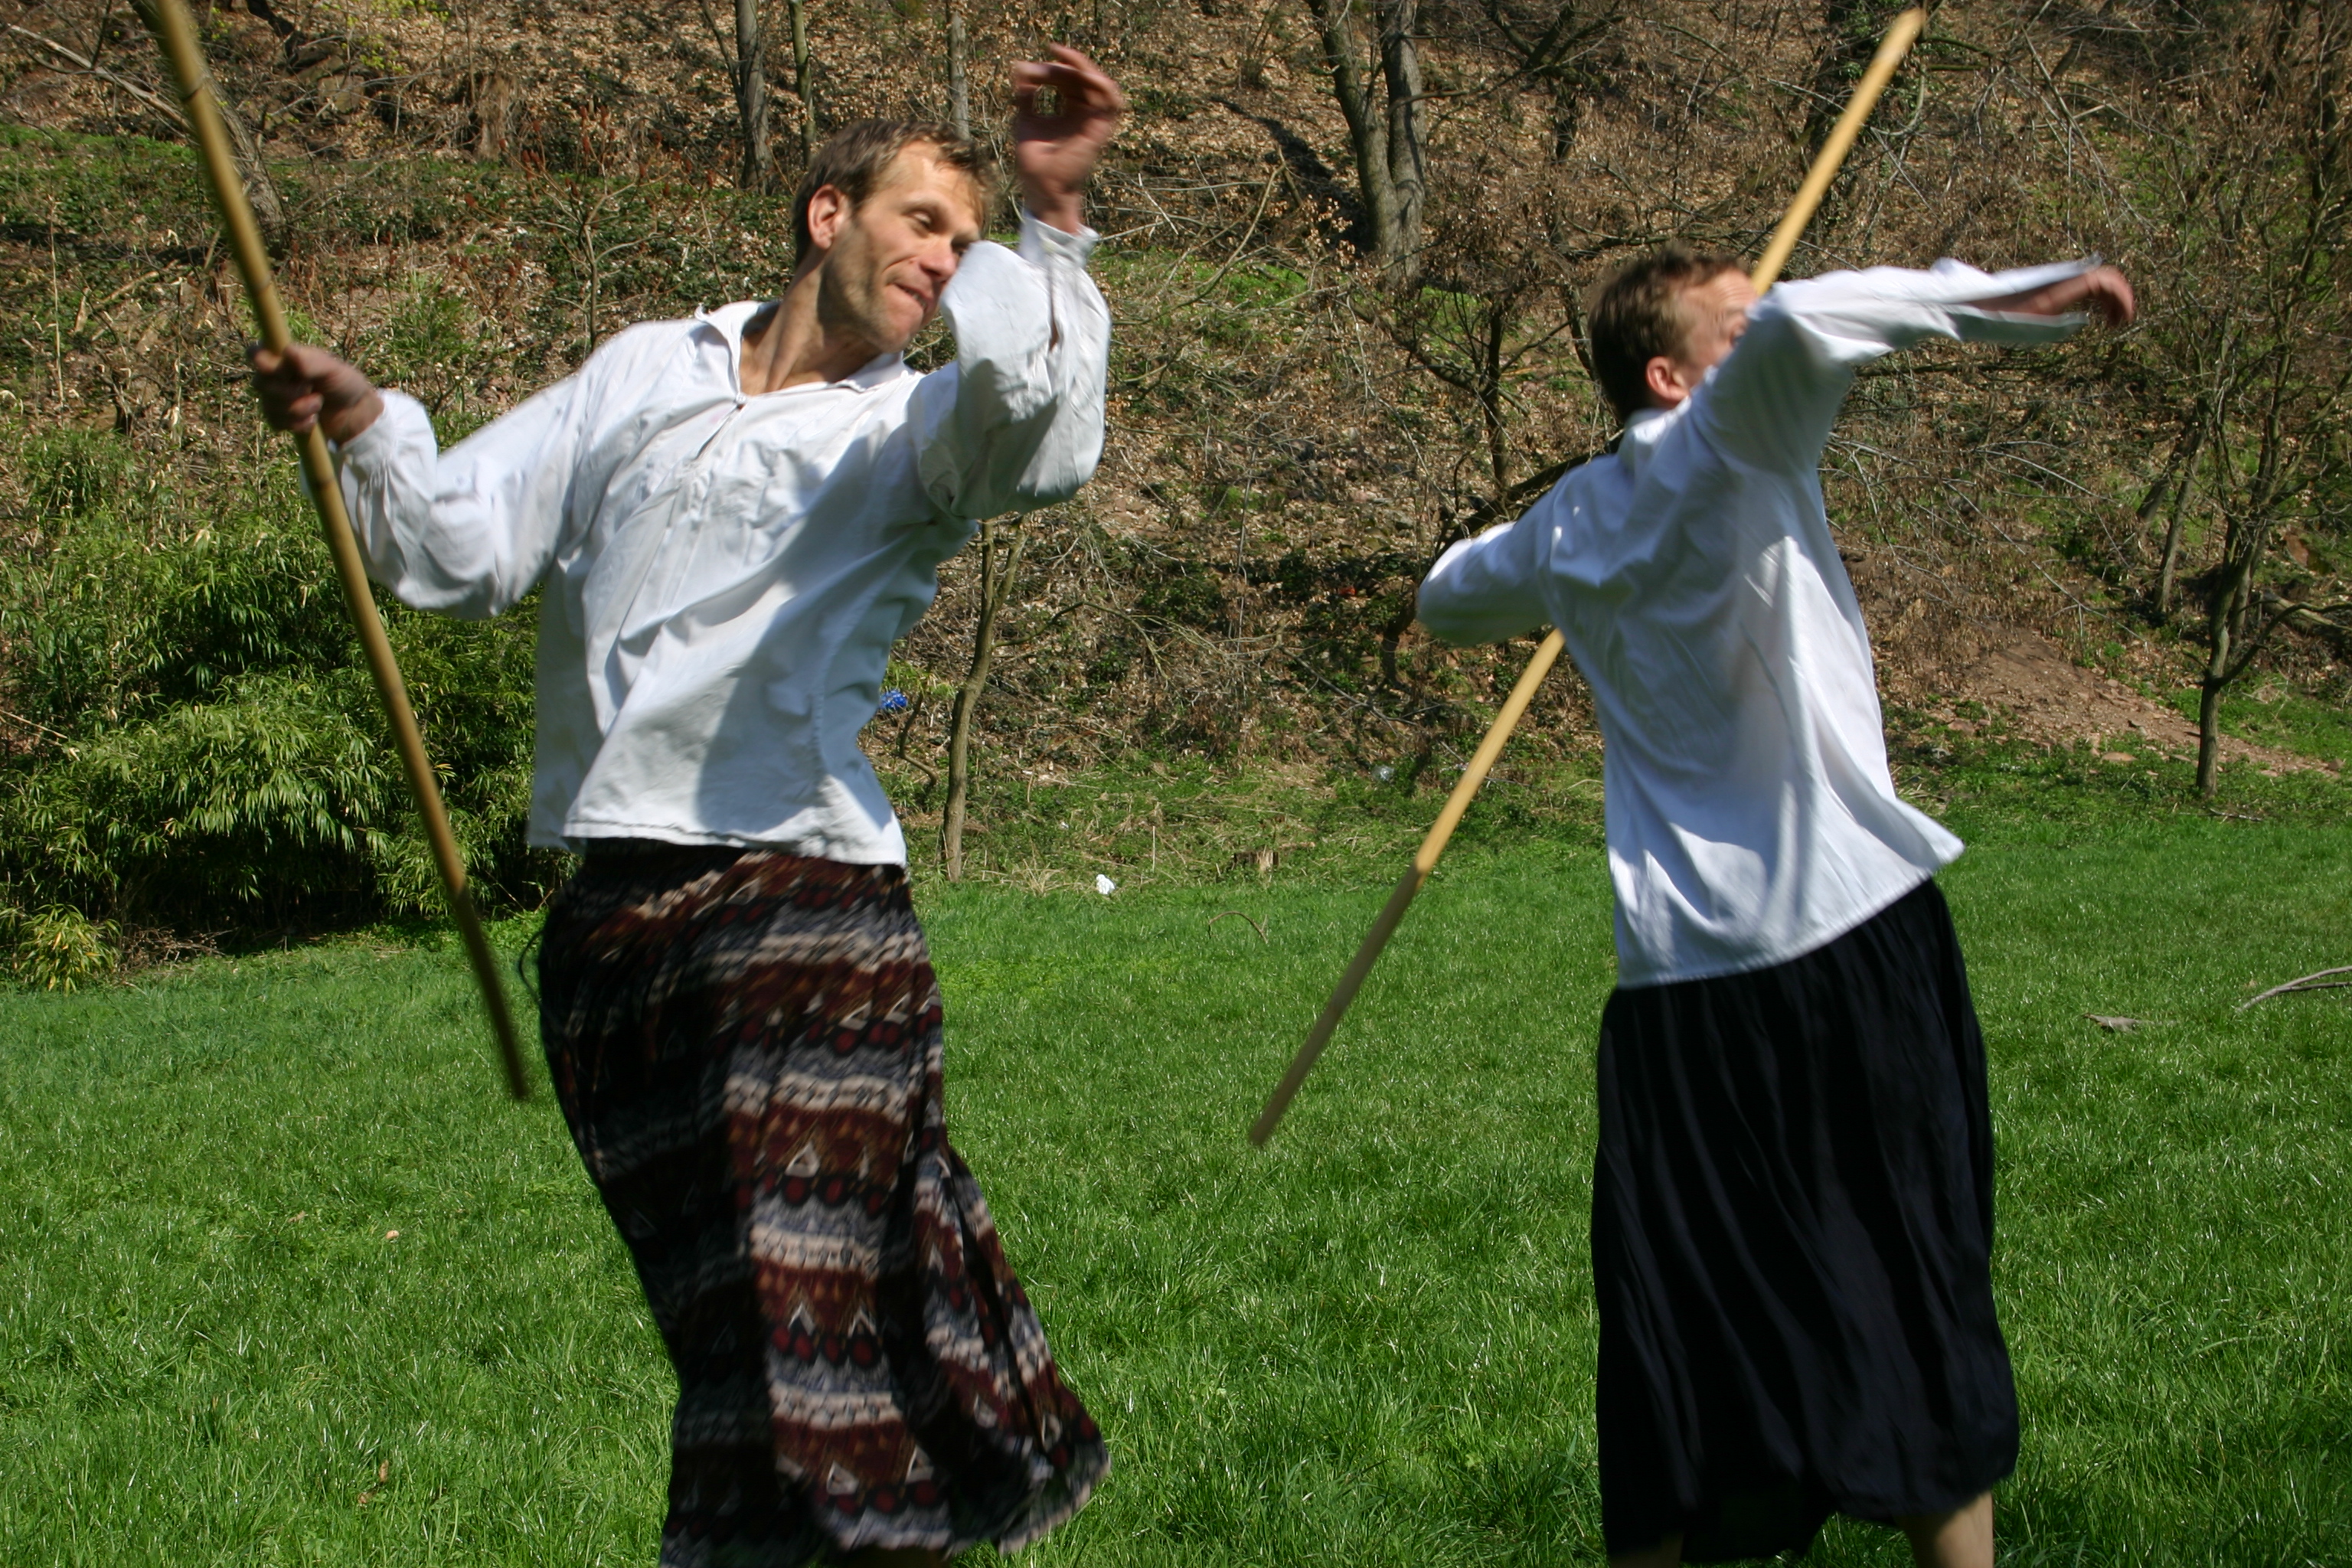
(1055, 152)
(307, 386)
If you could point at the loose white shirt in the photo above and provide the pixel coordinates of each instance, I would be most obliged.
(1751, 815)
(725, 575)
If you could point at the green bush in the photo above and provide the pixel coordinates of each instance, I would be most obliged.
(209, 744)
(60, 949)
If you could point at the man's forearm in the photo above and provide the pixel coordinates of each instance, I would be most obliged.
(1065, 209)
(2100, 289)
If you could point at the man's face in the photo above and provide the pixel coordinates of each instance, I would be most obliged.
(1713, 315)
(888, 259)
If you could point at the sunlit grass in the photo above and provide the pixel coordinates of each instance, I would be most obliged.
(1371, 1343)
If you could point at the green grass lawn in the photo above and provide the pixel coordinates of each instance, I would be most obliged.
(1370, 1344)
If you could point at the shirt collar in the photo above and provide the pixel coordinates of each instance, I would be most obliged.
(1644, 431)
(729, 321)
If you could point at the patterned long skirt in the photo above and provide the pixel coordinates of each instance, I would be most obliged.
(747, 1046)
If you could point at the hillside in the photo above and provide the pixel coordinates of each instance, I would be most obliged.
(475, 196)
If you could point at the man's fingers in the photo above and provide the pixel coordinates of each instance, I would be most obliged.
(2108, 294)
(1083, 87)
(2121, 305)
(303, 388)
(298, 414)
(1094, 80)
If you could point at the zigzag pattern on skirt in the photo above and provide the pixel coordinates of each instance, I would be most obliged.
(747, 1046)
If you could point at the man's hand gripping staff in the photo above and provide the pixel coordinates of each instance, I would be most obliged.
(321, 396)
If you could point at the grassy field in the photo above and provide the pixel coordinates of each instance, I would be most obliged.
(283, 1280)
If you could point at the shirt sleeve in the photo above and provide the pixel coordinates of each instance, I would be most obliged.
(1773, 400)
(1016, 422)
(1489, 588)
(469, 530)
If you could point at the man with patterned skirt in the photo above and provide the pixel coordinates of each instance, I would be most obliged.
(733, 518)
(1792, 1196)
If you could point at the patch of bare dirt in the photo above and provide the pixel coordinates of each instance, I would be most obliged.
(1941, 652)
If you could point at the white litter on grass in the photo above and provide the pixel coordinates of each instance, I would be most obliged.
(1104, 885)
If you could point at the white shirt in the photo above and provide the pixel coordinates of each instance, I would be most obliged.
(726, 575)
(1750, 816)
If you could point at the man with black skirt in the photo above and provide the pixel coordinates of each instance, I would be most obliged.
(1792, 1196)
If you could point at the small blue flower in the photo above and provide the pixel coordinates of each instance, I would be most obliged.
(893, 702)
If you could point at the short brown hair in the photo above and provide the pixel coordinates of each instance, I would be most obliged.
(854, 158)
(1638, 317)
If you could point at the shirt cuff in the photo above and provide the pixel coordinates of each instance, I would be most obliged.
(374, 444)
(1043, 244)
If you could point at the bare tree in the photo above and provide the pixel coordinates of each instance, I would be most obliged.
(2252, 205)
(958, 80)
(1383, 113)
(1554, 47)
(746, 69)
(995, 582)
(752, 94)
(582, 207)
(803, 84)
(2180, 478)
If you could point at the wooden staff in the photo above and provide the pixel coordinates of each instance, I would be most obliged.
(1898, 43)
(176, 33)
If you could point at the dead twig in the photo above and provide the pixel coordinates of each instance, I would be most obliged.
(2304, 983)
(91, 67)
(1238, 915)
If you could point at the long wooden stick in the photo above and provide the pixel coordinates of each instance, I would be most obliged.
(173, 30)
(1898, 43)
(1425, 861)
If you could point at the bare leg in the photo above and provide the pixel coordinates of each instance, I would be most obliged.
(1666, 1553)
(896, 1557)
(1960, 1539)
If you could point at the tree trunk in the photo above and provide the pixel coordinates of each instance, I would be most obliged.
(2225, 628)
(804, 86)
(268, 207)
(1408, 183)
(1364, 133)
(2168, 565)
(1490, 399)
(993, 587)
(2209, 735)
(751, 93)
(958, 83)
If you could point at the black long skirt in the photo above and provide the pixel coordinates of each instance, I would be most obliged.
(1792, 1247)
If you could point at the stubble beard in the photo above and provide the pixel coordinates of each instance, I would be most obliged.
(855, 299)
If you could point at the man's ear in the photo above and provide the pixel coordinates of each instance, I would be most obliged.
(1664, 379)
(828, 211)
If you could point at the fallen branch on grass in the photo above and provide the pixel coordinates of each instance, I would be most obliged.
(1237, 914)
(2304, 983)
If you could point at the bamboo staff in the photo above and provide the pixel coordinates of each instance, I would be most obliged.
(176, 33)
(1898, 43)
